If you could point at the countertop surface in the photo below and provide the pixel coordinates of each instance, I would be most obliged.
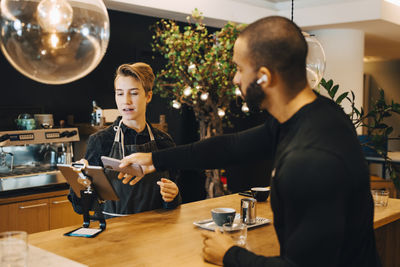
(154, 238)
(168, 238)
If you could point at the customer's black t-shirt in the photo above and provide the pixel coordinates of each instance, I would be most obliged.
(320, 195)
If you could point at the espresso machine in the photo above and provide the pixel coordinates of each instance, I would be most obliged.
(29, 158)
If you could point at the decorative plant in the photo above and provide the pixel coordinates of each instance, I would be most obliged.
(199, 71)
(199, 74)
(373, 121)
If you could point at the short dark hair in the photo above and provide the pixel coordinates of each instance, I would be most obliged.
(278, 44)
(139, 71)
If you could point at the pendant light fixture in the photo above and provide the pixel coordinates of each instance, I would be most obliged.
(316, 60)
(54, 41)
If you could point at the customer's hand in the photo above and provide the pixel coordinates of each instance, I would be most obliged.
(143, 159)
(168, 189)
(215, 246)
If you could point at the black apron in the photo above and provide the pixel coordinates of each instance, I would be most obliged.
(143, 196)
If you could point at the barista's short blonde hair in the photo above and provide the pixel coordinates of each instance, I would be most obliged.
(140, 71)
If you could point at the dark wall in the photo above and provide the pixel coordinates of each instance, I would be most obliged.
(129, 42)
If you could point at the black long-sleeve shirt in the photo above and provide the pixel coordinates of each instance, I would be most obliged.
(320, 193)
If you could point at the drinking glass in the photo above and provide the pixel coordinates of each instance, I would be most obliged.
(237, 231)
(380, 197)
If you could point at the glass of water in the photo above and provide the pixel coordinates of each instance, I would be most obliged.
(237, 231)
(380, 197)
(13, 249)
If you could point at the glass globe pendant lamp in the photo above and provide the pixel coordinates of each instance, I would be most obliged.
(54, 41)
(315, 62)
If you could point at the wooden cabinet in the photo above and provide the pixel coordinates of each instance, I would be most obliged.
(62, 214)
(4, 222)
(36, 213)
(29, 216)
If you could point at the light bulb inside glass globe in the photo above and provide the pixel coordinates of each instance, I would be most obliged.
(315, 62)
(221, 112)
(245, 108)
(54, 15)
(54, 41)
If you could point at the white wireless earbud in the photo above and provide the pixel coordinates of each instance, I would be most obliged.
(263, 78)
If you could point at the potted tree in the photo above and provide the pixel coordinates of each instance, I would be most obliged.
(199, 74)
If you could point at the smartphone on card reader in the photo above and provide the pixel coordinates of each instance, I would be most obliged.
(113, 164)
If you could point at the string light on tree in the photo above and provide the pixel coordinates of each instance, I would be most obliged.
(245, 108)
(187, 91)
(221, 112)
(176, 104)
(192, 67)
(238, 92)
(204, 96)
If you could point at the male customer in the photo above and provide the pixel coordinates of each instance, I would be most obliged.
(320, 193)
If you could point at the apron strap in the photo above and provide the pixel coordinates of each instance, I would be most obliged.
(117, 129)
(119, 137)
(150, 132)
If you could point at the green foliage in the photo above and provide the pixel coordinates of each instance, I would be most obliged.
(373, 121)
(199, 60)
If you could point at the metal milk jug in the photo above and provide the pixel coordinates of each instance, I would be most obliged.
(248, 210)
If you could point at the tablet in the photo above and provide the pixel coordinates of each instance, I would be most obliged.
(100, 182)
(111, 163)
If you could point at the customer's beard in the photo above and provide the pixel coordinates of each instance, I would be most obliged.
(254, 96)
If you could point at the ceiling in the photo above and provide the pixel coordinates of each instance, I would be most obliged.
(285, 4)
(379, 20)
(382, 38)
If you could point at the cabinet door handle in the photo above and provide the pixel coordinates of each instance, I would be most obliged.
(33, 206)
(60, 202)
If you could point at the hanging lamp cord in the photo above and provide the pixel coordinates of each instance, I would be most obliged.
(292, 8)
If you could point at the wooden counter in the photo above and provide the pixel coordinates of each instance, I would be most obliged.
(168, 238)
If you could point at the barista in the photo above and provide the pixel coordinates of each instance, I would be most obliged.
(131, 133)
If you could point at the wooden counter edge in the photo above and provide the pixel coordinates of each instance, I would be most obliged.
(389, 218)
(14, 199)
